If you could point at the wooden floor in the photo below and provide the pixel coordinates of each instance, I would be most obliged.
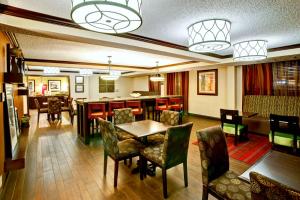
(60, 166)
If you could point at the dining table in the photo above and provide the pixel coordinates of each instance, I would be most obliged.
(281, 167)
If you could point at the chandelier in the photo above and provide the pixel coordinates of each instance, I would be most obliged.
(86, 72)
(107, 16)
(250, 50)
(157, 77)
(209, 35)
(112, 75)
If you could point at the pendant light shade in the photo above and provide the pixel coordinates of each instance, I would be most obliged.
(250, 50)
(107, 16)
(157, 77)
(209, 35)
(112, 75)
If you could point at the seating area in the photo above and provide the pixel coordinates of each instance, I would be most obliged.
(149, 100)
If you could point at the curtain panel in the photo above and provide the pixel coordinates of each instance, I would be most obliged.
(178, 84)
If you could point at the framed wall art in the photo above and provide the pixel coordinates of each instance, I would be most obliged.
(79, 88)
(79, 80)
(54, 85)
(207, 82)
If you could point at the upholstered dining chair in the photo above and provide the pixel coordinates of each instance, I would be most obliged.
(40, 110)
(73, 112)
(167, 117)
(122, 116)
(231, 123)
(115, 149)
(284, 131)
(264, 188)
(172, 152)
(54, 108)
(217, 179)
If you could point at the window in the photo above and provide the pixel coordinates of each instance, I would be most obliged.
(106, 86)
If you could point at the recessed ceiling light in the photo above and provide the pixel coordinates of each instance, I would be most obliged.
(250, 50)
(209, 35)
(109, 16)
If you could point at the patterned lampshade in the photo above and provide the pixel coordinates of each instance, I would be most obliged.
(250, 50)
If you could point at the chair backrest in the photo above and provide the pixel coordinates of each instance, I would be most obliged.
(176, 100)
(54, 106)
(264, 188)
(110, 139)
(287, 124)
(162, 102)
(169, 117)
(123, 115)
(96, 107)
(134, 104)
(37, 104)
(230, 116)
(71, 107)
(213, 153)
(115, 105)
(176, 144)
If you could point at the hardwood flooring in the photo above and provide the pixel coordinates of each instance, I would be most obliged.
(60, 166)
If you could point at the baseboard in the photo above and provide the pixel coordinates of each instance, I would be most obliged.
(204, 116)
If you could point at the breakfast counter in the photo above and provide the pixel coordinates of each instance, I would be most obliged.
(83, 125)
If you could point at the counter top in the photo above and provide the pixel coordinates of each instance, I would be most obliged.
(105, 100)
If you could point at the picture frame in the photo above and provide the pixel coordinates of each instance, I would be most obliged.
(31, 86)
(54, 85)
(207, 82)
(79, 80)
(79, 88)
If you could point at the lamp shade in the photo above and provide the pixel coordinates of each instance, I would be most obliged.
(250, 50)
(107, 16)
(209, 35)
(157, 78)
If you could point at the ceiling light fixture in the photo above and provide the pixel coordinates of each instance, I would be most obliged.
(157, 77)
(250, 50)
(107, 16)
(209, 35)
(51, 70)
(112, 75)
(86, 72)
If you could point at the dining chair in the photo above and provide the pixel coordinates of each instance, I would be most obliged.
(54, 108)
(172, 152)
(217, 179)
(264, 188)
(73, 112)
(40, 110)
(167, 117)
(161, 104)
(115, 149)
(122, 116)
(95, 111)
(112, 106)
(284, 131)
(66, 105)
(231, 123)
(136, 107)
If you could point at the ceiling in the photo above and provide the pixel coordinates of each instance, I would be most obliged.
(273, 20)
(36, 47)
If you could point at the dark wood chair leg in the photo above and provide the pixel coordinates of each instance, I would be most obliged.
(105, 163)
(141, 163)
(185, 173)
(38, 118)
(164, 177)
(204, 193)
(116, 173)
(125, 162)
(130, 162)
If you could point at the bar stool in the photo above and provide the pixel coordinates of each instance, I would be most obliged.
(96, 110)
(114, 105)
(176, 104)
(161, 104)
(136, 107)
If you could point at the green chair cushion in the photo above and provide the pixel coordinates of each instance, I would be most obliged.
(284, 139)
(230, 128)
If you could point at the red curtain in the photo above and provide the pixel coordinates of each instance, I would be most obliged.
(154, 86)
(178, 84)
(258, 79)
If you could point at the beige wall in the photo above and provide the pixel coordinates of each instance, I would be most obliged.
(140, 83)
(229, 93)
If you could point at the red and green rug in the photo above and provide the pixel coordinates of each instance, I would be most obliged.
(249, 151)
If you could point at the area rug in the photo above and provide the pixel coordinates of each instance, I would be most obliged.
(249, 151)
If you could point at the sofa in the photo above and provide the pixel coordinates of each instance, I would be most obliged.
(264, 106)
